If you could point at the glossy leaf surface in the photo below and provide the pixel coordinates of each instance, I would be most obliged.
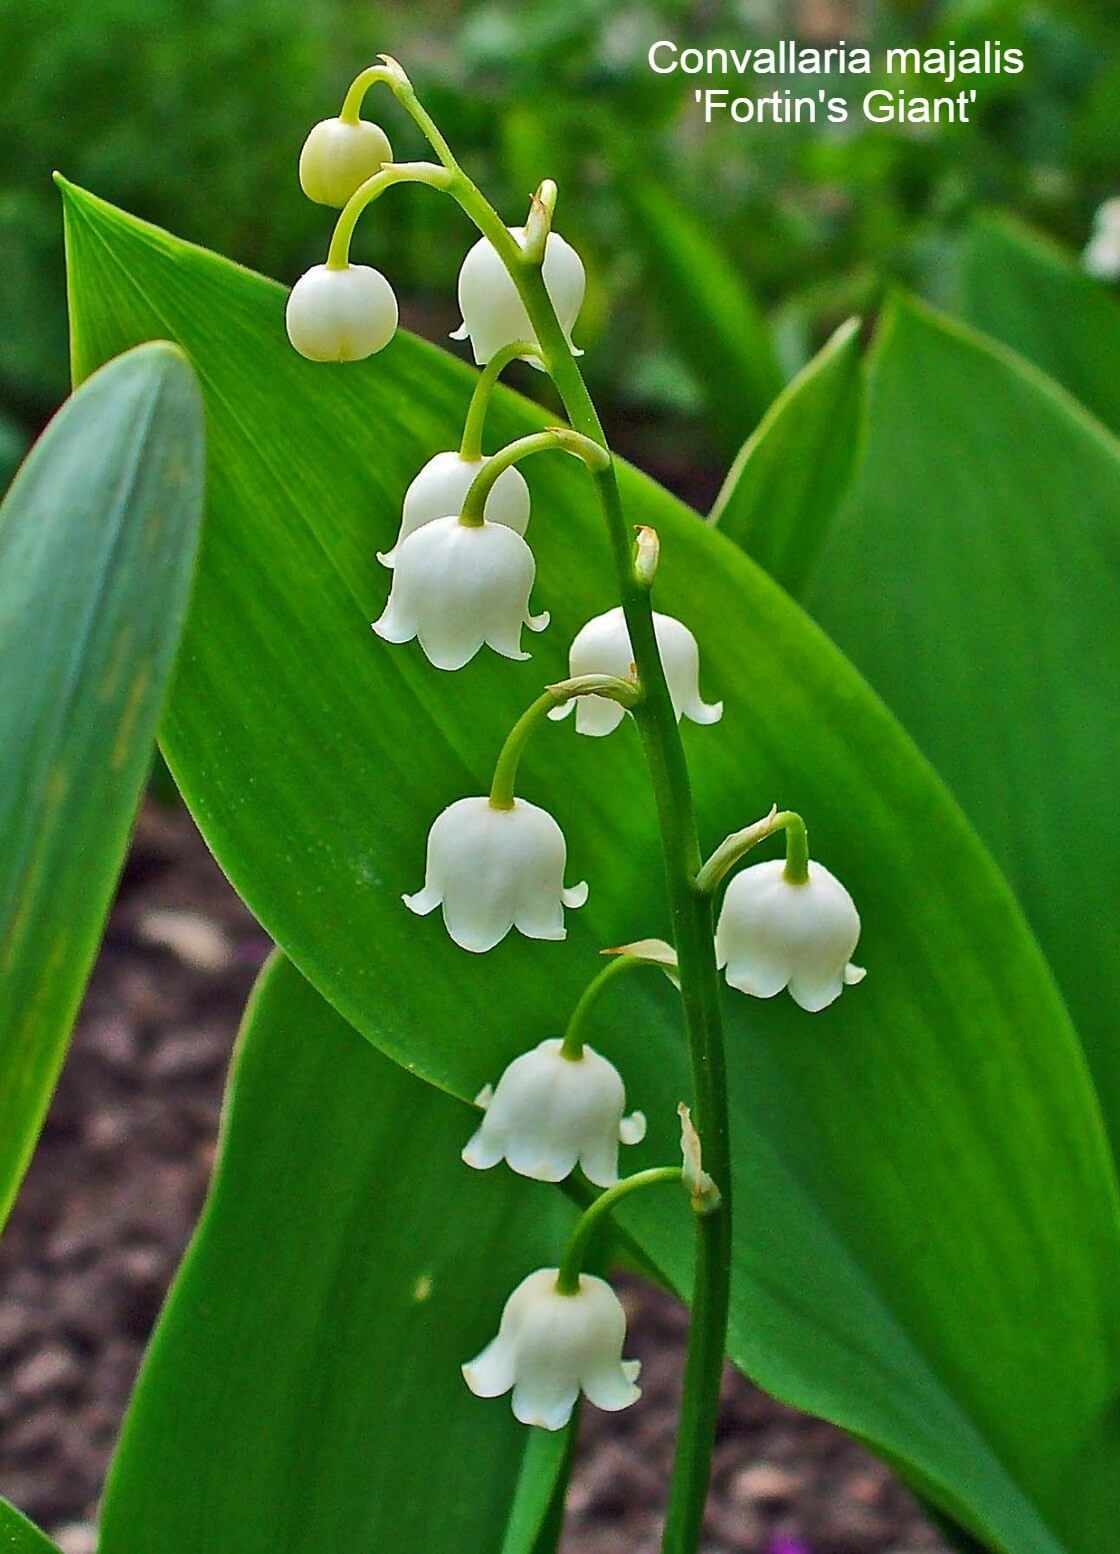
(1019, 287)
(974, 577)
(791, 474)
(97, 544)
(302, 1391)
(910, 1161)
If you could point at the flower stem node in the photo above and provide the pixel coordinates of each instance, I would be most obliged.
(442, 485)
(551, 1112)
(495, 869)
(493, 313)
(773, 934)
(338, 156)
(550, 1345)
(603, 647)
(341, 315)
(457, 587)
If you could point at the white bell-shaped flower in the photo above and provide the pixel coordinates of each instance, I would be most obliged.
(337, 157)
(494, 315)
(441, 488)
(550, 1346)
(341, 315)
(457, 586)
(773, 934)
(551, 1113)
(603, 647)
(1102, 253)
(496, 869)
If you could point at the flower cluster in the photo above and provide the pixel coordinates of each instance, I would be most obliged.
(462, 577)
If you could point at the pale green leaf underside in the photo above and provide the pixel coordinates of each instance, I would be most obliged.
(97, 542)
(973, 576)
(1020, 288)
(910, 1162)
(788, 480)
(303, 1390)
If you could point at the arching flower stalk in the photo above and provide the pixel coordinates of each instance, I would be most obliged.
(498, 863)
(784, 923)
(462, 578)
(603, 647)
(562, 1330)
(560, 1105)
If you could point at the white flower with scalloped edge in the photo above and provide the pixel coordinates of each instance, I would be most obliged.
(458, 586)
(603, 647)
(441, 488)
(337, 158)
(551, 1113)
(550, 1346)
(773, 934)
(496, 869)
(494, 315)
(341, 315)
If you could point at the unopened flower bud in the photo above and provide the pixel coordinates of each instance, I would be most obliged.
(457, 586)
(494, 315)
(441, 488)
(496, 869)
(603, 647)
(341, 315)
(338, 157)
(774, 934)
(551, 1113)
(551, 1345)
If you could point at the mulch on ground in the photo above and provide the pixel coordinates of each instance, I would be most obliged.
(116, 1186)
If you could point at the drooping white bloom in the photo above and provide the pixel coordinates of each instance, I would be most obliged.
(496, 869)
(337, 157)
(550, 1345)
(603, 647)
(494, 315)
(441, 488)
(1102, 253)
(341, 315)
(457, 586)
(772, 935)
(551, 1113)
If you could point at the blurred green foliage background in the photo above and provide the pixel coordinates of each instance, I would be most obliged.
(191, 113)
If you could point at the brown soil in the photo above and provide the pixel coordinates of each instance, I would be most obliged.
(116, 1186)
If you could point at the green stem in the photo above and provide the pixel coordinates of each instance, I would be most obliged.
(470, 446)
(572, 1046)
(556, 437)
(626, 692)
(739, 843)
(338, 255)
(690, 909)
(693, 934)
(571, 1264)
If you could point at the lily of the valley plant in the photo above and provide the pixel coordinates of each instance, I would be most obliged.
(462, 577)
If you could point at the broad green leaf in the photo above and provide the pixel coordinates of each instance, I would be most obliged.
(1019, 287)
(19, 1536)
(974, 577)
(97, 544)
(302, 1391)
(911, 1163)
(708, 311)
(13, 445)
(794, 469)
